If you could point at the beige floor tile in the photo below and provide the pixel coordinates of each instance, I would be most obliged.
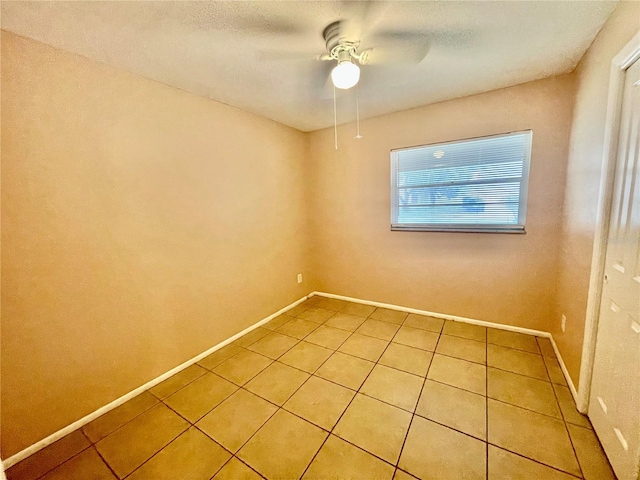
(554, 371)
(236, 470)
(458, 373)
(216, 358)
(283, 447)
(516, 361)
(463, 348)
(506, 465)
(85, 465)
(131, 445)
(393, 386)
(273, 345)
(174, 383)
(277, 382)
(358, 309)
(111, 421)
(400, 475)
(424, 322)
(338, 460)
(455, 408)
(568, 407)
(532, 435)
(297, 310)
(317, 315)
(415, 337)
(365, 347)
(522, 391)
(465, 330)
(516, 340)
(251, 337)
(320, 402)
(311, 301)
(192, 455)
(306, 356)
(49, 457)
(434, 451)
(378, 329)
(298, 328)
(280, 320)
(546, 348)
(331, 304)
(199, 397)
(233, 422)
(242, 367)
(328, 337)
(387, 315)
(345, 370)
(345, 321)
(592, 458)
(382, 437)
(407, 359)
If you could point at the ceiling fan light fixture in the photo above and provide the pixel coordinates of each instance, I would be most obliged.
(345, 75)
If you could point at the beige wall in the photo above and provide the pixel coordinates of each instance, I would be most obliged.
(503, 278)
(141, 226)
(583, 180)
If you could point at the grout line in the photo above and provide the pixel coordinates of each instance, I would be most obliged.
(45, 442)
(206, 370)
(486, 412)
(163, 447)
(62, 463)
(93, 445)
(364, 381)
(534, 460)
(349, 405)
(125, 423)
(278, 407)
(104, 460)
(357, 392)
(222, 466)
(249, 467)
(564, 421)
(424, 381)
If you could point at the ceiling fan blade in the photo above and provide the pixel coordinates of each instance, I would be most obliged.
(360, 18)
(401, 53)
(453, 38)
(287, 56)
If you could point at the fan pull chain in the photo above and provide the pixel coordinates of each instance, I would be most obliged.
(358, 136)
(335, 119)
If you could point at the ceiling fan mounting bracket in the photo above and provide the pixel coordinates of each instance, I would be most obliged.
(338, 46)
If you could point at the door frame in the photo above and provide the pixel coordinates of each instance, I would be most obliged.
(620, 63)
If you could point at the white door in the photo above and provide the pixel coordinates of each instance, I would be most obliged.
(614, 406)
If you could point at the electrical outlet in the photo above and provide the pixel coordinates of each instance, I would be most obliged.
(299, 278)
(563, 322)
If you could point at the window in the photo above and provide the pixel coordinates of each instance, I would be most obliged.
(475, 185)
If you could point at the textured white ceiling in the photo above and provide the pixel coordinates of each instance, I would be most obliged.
(239, 52)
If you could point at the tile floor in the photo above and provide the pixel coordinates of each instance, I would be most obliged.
(336, 390)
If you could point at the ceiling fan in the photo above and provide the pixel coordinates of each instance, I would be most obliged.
(343, 46)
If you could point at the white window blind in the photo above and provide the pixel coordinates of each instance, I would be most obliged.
(476, 185)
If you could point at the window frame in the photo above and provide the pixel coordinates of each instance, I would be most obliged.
(463, 228)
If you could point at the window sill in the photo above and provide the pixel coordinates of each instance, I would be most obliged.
(518, 229)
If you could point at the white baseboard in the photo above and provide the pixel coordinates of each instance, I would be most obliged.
(563, 367)
(21, 455)
(119, 401)
(455, 318)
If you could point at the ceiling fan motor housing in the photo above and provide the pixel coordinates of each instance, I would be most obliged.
(339, 47)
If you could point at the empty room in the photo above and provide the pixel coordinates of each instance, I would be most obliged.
(320, 240)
